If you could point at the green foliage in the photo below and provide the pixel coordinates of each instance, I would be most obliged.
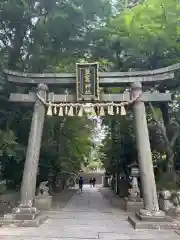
(51, 36)
(95, 164)
(2, 187)
(166, 183)
(119, 146)
(140, 37)
(40, 36)
(37, 35)
(66, 142)
(145, 36)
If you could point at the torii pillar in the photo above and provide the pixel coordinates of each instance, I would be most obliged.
(26, 213)
(151, 216)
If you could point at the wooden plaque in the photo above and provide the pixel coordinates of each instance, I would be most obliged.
(87, 82)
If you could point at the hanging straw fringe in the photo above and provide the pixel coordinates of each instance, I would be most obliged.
(101, 112)
(71, 111)
(117, 110)
(55, 110)
(63, 107)
(49, 111)
(66, 110)
(110, 110)
(61, 113)
(80, 113)
(123, 111)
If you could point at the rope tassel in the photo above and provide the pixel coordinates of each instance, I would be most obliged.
(71, 111)
(80, 113)
(66, 110)
(61, 111)
(110, 110)
(101, 112)
(49, 111)
(117, 110)
(55, 110)
(123, 111)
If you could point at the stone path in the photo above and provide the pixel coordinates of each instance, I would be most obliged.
(86, 216)
(61, 199)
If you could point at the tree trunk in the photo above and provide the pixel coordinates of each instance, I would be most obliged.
(17, 43)
(170, 168)
(164, 109)
(170, 154)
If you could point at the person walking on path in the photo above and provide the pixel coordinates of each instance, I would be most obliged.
(94, 182)
(91, 182)
(81, 184)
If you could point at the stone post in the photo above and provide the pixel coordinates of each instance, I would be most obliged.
(151, 206)
(28, 187)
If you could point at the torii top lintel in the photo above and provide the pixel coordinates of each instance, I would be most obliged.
(105, 78)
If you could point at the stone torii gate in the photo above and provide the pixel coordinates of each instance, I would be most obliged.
(87, 82)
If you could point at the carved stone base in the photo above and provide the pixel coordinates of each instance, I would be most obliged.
(154, 221)
(133, 205)
(23, 216)
(138, 224)
(43, 202)
(12, 222)
(25, 213)
(153, 218)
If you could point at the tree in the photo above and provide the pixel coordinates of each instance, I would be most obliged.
(37, 35)
(40, 36)
(51, 36)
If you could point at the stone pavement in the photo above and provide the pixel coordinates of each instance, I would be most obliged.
(86, 216)
(61, 199)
